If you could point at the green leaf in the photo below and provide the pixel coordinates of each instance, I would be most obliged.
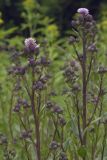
(82, 152)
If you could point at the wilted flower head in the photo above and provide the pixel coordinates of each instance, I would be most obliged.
(31, 45)
(62, 122)
(83, 11)
(102, 70)
(92, 48)
(53, 145)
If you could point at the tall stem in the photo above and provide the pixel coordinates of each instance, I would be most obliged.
(84, 89)
(104, 143)
(36, 119)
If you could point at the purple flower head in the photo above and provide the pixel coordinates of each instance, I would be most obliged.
(16, 108)
(31, 45)
(83, 11)
(62, 121)
(32, 62)
(39, 85)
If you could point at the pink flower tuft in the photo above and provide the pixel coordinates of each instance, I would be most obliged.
(31, 45)
(83, 11)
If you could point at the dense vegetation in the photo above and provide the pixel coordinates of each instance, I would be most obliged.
(53, 89)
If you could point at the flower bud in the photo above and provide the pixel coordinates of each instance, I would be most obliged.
(49, 104)
(25, 104)
(62, 121)
(92, 48)
(39, 85)
(89, 17)
(102, 70)
(31, 62)
(57, 109)
(19, 70)
(54, 145)
(16, 108)
(74, 23)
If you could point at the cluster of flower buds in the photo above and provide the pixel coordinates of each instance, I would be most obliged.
(71, 72)
(38, 85)
(32, 62)
(43, 61)
(85, 21)
(84, 17)
(57, 110)
(41, 84)
(17, 70)
(60, 122)
(54, 107)
(54, 146)
(21, 102)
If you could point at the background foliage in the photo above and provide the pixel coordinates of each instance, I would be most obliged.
(50, 22)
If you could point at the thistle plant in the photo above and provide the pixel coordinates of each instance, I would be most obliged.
(44, 127)
(84, 76)
(39, 120)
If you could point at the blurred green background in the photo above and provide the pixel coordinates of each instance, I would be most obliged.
(20, 18)
(24, 18)
(16, 12)
(48, 20)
